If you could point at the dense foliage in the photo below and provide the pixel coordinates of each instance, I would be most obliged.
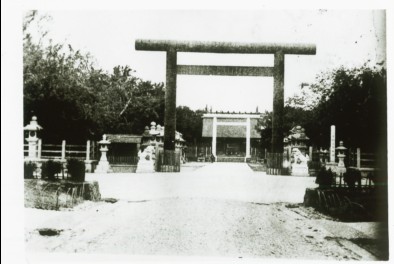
(354, 100)
(75, 101)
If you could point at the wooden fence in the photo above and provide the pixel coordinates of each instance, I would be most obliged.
(360, 159)
(64, 151)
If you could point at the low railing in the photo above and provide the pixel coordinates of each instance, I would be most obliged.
(168, 161)
(115, 159)
(276, 164)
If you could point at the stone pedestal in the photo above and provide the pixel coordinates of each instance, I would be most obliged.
(33, 143)
(103, 167)
(299, 170)
(146, 162)
(299, 164)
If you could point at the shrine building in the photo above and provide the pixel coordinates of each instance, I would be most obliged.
(232, 135)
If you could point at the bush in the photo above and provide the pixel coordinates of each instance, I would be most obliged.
(325, 178)
(50, 168)
(76, 169)
(351, 176)
(29, 168)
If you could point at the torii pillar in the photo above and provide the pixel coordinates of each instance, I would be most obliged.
(172, 69)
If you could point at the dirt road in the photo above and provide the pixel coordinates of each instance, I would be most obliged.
(200, 223)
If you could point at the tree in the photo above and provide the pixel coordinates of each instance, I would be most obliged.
(355, 101)
(55, 89)
(352, 99)
(74, 100)
(189, 123)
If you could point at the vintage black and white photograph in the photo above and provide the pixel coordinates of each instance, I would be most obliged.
(241, 135)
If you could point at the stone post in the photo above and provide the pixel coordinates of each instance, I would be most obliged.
(63, 157)
(88, 162)
(358, 158)
(332, 165)
(332, 145)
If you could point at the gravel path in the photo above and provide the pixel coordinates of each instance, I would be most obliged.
(198, 218)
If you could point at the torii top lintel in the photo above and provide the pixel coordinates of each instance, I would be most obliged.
(224, 47)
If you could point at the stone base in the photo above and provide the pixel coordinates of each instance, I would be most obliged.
(103, 167)
(144, 166)
(299, 171)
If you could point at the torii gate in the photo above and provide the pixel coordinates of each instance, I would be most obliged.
(172, 69)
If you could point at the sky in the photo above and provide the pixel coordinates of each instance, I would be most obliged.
(348, 38)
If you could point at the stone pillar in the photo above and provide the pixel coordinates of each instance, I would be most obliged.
(88, 162)
(63, 157)
(248, 137)
(332, 145)
(214, 133)
(88, 150)
(332, 164)
(358, 158)
(278, 103)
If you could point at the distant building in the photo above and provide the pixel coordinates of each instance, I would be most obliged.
(231, 135)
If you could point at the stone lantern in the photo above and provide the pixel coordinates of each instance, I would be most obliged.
(103, 165)
(32, 138)
(297, 139)
(341, 156)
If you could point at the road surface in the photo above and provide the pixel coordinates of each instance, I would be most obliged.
(218, 210)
